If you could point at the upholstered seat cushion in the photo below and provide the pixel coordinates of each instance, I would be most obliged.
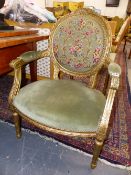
(61, 104)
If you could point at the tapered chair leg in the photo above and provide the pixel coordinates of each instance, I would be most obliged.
(96, 153)
(17, 121)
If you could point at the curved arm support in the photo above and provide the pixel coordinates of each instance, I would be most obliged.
(16, 85)
(17, 64)
(103, 126)
(28, 57)
(114, 71)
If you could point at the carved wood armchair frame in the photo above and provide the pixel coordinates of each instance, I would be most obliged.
(114, 71)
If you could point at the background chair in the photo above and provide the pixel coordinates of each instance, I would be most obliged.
(119, 21)
(117, 41)
(113, 25)
(79, 45)
(128, 40)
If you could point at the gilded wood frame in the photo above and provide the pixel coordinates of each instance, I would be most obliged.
(100, 134)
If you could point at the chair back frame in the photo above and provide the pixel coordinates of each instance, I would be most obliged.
(107, 39)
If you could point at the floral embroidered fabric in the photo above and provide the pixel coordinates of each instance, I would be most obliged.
(79, 42)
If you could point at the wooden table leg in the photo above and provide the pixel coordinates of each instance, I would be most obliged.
(24, 80)
(33, 70)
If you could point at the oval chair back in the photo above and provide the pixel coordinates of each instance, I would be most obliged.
(80, 42)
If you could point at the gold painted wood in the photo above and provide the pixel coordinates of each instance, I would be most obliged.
(93, 80)
(103, 126)
(17, 65)
(17, 124)
(121, 34)
(101, 133)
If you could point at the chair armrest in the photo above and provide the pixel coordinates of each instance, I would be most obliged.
(28, 57)
(115, 72)
(17, 64)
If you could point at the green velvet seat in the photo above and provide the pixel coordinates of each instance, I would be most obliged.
(62, 104)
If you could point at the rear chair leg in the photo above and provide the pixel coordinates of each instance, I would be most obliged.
(17, 121)
(96, 153)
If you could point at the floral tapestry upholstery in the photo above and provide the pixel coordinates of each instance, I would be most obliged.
(80, 42)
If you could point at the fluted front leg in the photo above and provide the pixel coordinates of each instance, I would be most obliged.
(17, 122)
(97, 149)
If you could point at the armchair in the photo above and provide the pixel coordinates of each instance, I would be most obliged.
(79, 45)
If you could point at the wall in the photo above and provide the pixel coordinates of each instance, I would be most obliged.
(40, 2)
(101, 4)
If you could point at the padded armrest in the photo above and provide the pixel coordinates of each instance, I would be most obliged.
(17, 64)
(31, 56)
(28, 57)
(114, 70)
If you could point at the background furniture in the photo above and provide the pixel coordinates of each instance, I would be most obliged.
(119, 21)
(112, 3)
(43, 66)
(128, 40)
(14, 43)
(113, 25)
(129, 8)
(117, 41)
(3, 25)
